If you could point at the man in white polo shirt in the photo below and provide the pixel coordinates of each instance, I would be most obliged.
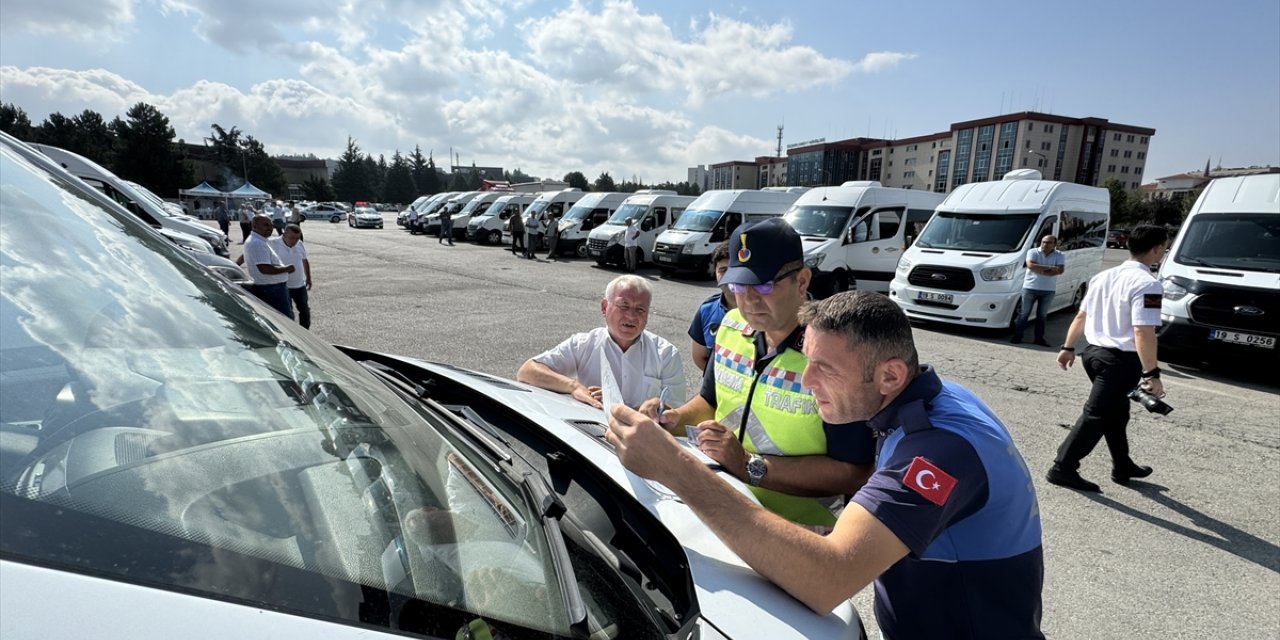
(270, 274)
(1118, 318)
(289, 247)
(643, 363)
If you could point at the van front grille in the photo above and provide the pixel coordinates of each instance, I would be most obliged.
(931, 276)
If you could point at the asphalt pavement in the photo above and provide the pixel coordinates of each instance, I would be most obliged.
(1190, 553)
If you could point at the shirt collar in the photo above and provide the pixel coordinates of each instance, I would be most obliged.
(794, 340)
(922, 389)
(1134, 264)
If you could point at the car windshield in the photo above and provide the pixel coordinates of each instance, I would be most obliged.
(367, 211)
(819, 221)
(630, 210)
(1244, 241)
(985, 232)
(697, 220)
(158, 208)
(159, 428)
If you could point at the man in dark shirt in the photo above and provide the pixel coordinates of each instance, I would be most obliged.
(948, 525)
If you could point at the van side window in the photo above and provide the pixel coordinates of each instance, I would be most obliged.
(860, 231)
(1082, 230)
(660, 213)
(1045, 229)
(887, 223)
(675, 213)
(916, 219)
(554, 209)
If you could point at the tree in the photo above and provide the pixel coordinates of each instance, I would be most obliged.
(14, 121)
(1120, 207)
(605, 182)
(399, 187)
(373, 175)
(57, 130)
(350, 180)
(263, 170)
(317, 189)
(424, 173)
(145, 150)
(94, 138)
(577, 181)
(516, 176)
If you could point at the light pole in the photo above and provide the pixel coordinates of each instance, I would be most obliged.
(1046, 159)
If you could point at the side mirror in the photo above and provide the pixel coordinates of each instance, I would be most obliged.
(647, 225)
(718, 235)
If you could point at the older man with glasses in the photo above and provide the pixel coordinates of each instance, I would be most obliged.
(643, 363)
(753, 415)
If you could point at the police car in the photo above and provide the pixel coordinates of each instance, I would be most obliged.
(176, 459)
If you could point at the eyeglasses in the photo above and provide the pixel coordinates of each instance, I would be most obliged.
(763, 289)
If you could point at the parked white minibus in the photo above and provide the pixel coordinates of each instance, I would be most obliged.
(654, 210)
(709, 220)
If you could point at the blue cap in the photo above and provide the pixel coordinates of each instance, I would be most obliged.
(758, 250)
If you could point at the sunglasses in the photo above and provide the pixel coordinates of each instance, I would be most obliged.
(763, 289)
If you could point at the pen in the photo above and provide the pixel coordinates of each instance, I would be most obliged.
(662, 402)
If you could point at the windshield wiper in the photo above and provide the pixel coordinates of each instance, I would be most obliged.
(550, 508)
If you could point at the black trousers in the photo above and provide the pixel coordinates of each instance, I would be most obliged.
(300, 300)
(1106, 413)
(517, 241)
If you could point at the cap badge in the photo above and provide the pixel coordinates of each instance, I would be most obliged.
(744, 254)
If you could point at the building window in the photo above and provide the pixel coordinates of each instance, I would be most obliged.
(944, 158)
(875, 153)
(1144, 139)
(981, 156)
(1124, 169)
(1128, 154)
(912, 147)
(1142, 155)
(1048, 128)
(1027, 145)
(1031, 126)
(1116, 137)
(909, 162)
(908, 174)
(1137, 170)
(1129, 138)
(1111, 168)
(1135, 185)
(1115, 153)
(964, 143)
(1045, 146)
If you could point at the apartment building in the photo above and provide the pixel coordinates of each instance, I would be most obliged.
(697, 176)
(735, 174)
(1082, 150)
(772, 171)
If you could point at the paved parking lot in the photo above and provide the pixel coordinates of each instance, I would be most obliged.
(1191, 554)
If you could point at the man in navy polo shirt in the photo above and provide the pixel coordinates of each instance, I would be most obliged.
(948, 525)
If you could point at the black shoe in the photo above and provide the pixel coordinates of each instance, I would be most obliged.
(1016, 340)
(1042, 343)
(1119, 476)
(1071, 480)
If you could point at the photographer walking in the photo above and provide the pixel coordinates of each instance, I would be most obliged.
(1118, 317)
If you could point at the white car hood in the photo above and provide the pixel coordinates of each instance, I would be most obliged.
(734, 598)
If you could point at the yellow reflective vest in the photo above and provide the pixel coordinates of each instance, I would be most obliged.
(782, 419)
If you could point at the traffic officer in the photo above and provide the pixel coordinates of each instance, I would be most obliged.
(753, 415)
(1118, 317)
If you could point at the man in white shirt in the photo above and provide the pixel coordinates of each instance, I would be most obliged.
(245, 216)
(643, 364)
(631, 244)
(277, 217)
(1044, 265)
(270, 274)
(1119, 317)
(292, 251)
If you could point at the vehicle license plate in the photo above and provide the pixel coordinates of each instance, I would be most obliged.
(661, 258)
(595, 252)
(946, 298)
(1235, 337)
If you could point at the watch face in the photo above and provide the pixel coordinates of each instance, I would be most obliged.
(756, 469)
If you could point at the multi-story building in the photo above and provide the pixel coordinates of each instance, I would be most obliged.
(1182, 185)
(771, 171)
(734, 174)
(698, 177)
(1082, 150)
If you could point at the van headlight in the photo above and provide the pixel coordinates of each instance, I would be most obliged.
(687, 248)
(1173, 291)
(615, 238)
(196, 247)
(812, 261)
(1002, 272)
(904, 267)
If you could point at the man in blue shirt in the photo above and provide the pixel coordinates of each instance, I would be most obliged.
(947, 527)
(1044, 265)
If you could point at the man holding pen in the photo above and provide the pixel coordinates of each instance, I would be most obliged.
(753, 414)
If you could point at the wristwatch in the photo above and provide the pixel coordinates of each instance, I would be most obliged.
(756, 469)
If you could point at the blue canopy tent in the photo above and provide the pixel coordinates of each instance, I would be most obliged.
(247, 190)
(201, 199)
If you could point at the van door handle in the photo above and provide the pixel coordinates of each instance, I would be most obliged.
(890, 249)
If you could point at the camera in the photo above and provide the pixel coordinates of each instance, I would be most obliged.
(1149, 402)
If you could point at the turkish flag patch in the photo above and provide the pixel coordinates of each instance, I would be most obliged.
(928, 480)
(1151, 300)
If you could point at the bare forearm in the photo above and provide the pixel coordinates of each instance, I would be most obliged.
(700, 355)
(804, 564)
(306, 268)
(272, 269)
(1145, 338)
(540, 375)
(813, 475)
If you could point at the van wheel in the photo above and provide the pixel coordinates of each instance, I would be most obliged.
(581, 249)
(495, 236)
(1078, 298)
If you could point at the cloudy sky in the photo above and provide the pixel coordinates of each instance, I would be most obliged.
(643, 88)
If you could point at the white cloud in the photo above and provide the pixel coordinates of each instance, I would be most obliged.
(882, 61)
(75, 19)
(70, 92)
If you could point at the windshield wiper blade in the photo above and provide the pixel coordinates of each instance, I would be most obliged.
(550, 508)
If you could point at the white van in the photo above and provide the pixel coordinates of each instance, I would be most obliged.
(402, 218)
(969, 263)
(418, 223)
(586, 214)
(549, 206)
(855, 233)
(123, 192)
(473, 208)
(709, 220)
(654, 210)
(487, 227)
(455, 205)
(1221, 276)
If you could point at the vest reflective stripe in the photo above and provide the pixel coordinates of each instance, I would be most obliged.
(783, 418)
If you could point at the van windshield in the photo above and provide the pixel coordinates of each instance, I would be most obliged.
(633, 211)
(578, 213)
(1245, 241)
(473, 206)
(495, 208)
(992, 233)
(822, 222)
(538, 207)
(697, 220)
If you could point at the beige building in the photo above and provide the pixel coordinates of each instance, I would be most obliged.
(735, 174)
(772, 172)
(1082, 150)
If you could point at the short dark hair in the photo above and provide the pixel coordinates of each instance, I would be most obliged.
(871, 323)
(1146, 237)
(721, 252)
